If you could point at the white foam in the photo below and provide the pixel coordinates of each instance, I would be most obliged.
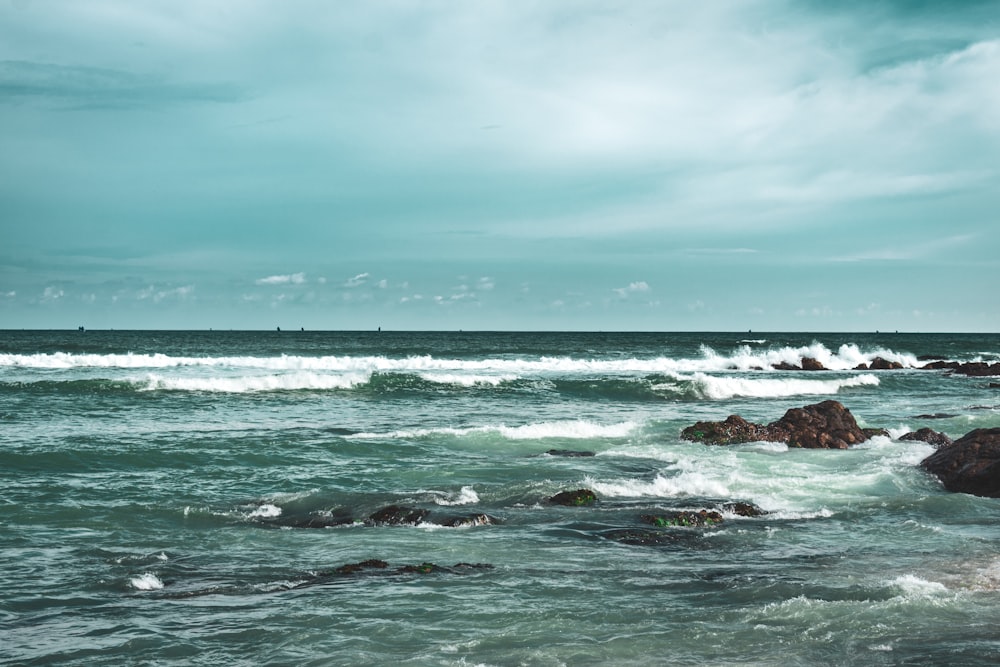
(573, 430)
(266, 511)
(685, 484)
(466, 496)
(847, 357)
(146, 582)
(468, 380)
(254, 383)
(913, 586)
(714, 387)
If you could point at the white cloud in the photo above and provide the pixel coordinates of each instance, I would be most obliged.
(633, 288)
(357, 280)
(52, 294)
(289, 279)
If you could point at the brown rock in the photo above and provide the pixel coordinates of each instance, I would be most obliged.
(880, 364)
(826, 425)
(785, 366)
(930, 436)
(970, 465)
(810, 364)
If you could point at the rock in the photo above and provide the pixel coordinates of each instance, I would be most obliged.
(577, 498)
(785, 366)
(930, 357)
(978, 369)
(643, 537)
(994, 385)
(397, 515)
(826, 425)
(929, 436)
(810, 364)
(470, 520)
(743, 509)
(370, 564)
(940, 365)
(880, 364)
(872, 432)
(733, 430)
(970, 465)
(936, 415)
(700, 519)
(310, 521)
(568, 452)
(861, 367)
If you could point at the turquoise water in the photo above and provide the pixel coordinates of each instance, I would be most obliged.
(157, 489)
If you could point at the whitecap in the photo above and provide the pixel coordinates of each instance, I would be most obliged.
(146, 582)
(266, 511)
(573, 430)
(720, 388)
(466, 496)
(910, 585)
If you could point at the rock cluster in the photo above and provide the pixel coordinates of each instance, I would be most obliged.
(826, 425)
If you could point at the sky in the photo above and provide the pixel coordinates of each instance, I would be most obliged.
(658, 165)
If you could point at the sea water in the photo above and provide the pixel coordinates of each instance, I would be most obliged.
(190, 497)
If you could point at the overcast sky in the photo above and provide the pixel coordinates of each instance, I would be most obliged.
(660, 165)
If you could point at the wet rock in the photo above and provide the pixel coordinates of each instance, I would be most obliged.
(423, 568)
(568, 452)
(930, 357)
(644, 537)
(936, 415)
(930, 436)
(940, 365)
(370, 564)
(470, 520)
(733, 430)
(785, 366)
(701, 519)
(970, 465)
(994, 385)
(743, 509)
(826, 425)
(880, 364)
(397, 515)
(978, 369)
(810, 364)
(578, 498)
(872, 432)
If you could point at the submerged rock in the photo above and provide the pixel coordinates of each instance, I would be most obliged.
(577, 498)
(370, 564)
(826, 425)
(743, 509)
(970, 465)
(470, 520)
(701, 519)
(397, 515)
(930, 436)
(569, 452)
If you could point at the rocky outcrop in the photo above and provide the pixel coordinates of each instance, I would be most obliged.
(971, 368)
(701, 519)
(469, 520)
(826, 425)
(970, 465)
(577, 498)
(930, 436)
(810, 364)
(743, 509)
(397, 515)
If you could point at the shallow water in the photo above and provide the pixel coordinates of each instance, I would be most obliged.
(151, 481)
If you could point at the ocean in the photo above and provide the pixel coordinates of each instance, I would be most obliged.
(381, 498)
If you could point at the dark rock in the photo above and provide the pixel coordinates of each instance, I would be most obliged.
(785, 366)
(397, 515)
(743, 509)
(810, 364)
(577, 498)
(310, 521)
(930, 357)
(470, 520)
(370, 564)
(994, 385)
(861, 367)
(929, 436)
(643, 537)
(700, 519)
(423, 568)
(940, 365)
(872, 432)
(978, 369)
(880, 364)
(568, 452)
(733, 430)
(936, 415)
(826, 425)
(970, 465)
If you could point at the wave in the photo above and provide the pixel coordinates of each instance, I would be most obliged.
(570, 430)
(743, 358)
(717, 388)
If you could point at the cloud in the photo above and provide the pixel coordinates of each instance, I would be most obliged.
(94, 87)
(633, 288)
(52, 294)
(290, 279)
(357, 280)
